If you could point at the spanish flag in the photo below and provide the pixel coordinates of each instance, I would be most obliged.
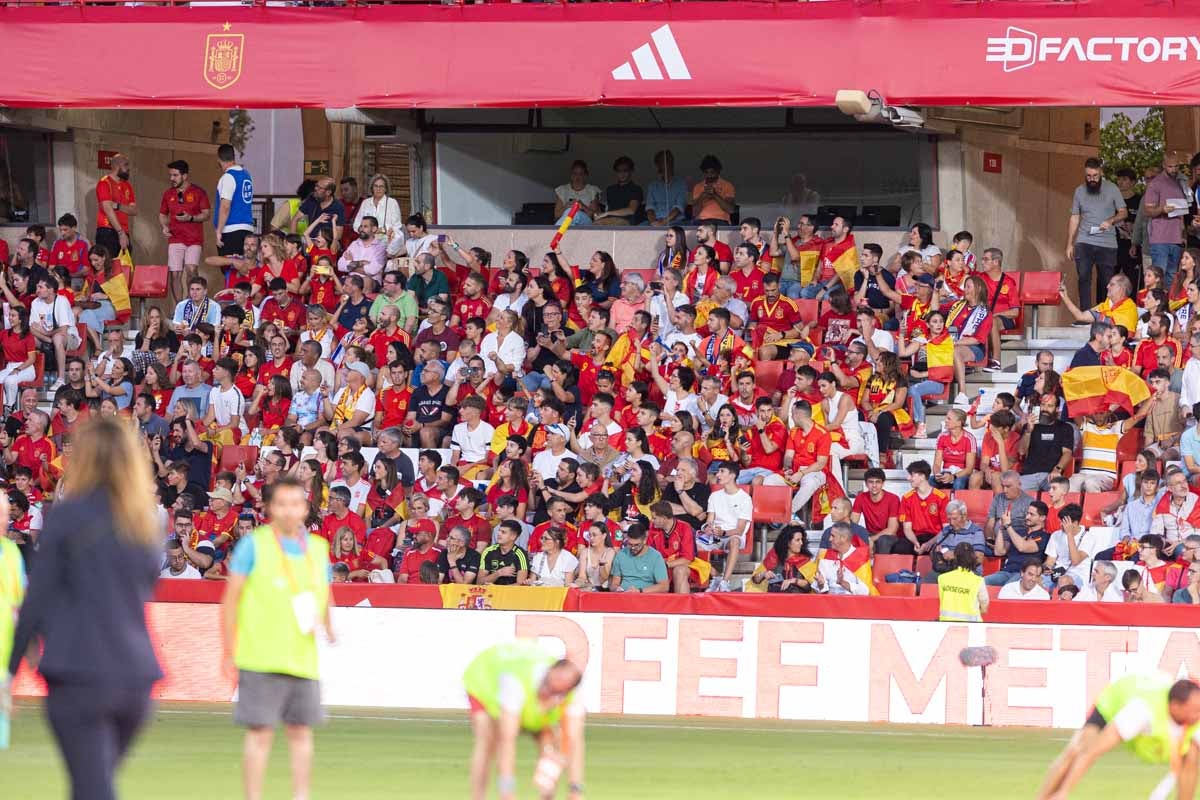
(511, 598)
(857, 561)
(810, 255)
(939, 355)
(1090, 390)
(117, 289)
(843, 257)
(621, 355)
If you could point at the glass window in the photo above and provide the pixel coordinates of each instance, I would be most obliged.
(25, 193)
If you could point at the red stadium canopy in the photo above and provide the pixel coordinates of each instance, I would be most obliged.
(925, 52)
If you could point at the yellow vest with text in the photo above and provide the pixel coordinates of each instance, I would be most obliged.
(958, 596)
(268, 636)
(12, 592)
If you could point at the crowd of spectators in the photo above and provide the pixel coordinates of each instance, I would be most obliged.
(552, 419)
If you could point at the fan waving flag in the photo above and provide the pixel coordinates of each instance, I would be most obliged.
(1090, 390)
(939, 356)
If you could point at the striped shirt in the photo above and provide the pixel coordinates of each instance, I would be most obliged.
(1100, 447)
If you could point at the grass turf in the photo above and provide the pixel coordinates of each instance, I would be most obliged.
(192, 751)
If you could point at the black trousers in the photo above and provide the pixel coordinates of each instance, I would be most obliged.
(94, 727)
(883, 427)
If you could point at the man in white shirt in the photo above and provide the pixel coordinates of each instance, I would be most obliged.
(471, 440)
(178, 565)
(114, 342)
(709, 401)
(310, 358)
(728, 523)
(832, 575)
(52, 324)
(353, 466)
(546, 462)
(1103, 587)
(353, 407)
(225, 401)
(1073, 547)
(1027, 587)
(1189, 387)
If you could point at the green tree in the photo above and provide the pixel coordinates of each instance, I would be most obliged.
(1134, 145)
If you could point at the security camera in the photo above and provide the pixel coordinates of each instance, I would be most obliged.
(871, 108)
(904, 118)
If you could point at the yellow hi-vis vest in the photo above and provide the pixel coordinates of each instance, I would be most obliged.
(12, 592)
(268, 635)
(958, 596)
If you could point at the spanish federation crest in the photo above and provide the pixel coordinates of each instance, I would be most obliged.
(223, 59)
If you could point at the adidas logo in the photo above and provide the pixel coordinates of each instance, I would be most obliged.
(647, 65)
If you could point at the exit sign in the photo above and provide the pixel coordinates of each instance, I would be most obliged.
(316, 167)
(993, 162)
(104, 159)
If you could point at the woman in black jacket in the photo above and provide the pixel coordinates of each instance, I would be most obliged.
(98, 559)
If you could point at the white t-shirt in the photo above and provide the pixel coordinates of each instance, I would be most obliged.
(585, 196)
(51, 316)
(226, 187)
(189, 573)
(473, 445)
(366, 401)
(1088, 542)
(560, 574)
(546, 463)
(225, 404)
(358, 494)
(727, 509)
(505, 303)
(1012, 591)
(1111, 595)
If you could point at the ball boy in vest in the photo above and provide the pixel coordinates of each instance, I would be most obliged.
(276, 596)
(516, 687)
(1155, 717)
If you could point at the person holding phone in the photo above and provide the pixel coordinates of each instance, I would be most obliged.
(713, 197)
(181, 214)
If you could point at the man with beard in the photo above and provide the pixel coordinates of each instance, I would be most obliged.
(365, 255)
(1096, 210)
(1047, 446)
(181, 212)
(115, 203)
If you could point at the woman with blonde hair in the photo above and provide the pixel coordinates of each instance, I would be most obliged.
(99, 556)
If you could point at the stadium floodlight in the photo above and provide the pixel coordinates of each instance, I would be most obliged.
(871, 107)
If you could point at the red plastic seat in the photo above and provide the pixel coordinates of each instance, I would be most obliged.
(1127, 467)
(810, 310)
(1093, 502)
(1039, 289)
(991, 565)
(1129, 445)
(978, 501)
(772, 505)
(897, 589)
(39, 371)
(884, 565)
(80, 351)
(234, 454)
(647, 273)
(766, 375)
(149, 281)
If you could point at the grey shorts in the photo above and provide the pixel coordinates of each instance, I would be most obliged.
(265, 699)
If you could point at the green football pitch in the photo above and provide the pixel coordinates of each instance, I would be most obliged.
(192, 751)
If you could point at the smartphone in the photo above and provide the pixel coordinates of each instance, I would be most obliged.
(656, 286)
(441, 238)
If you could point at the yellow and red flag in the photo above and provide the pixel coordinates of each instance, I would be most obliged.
(843, 257)
(510, 598)
(939, 356)
(857, 561)
(117, 289)
(1090, 390)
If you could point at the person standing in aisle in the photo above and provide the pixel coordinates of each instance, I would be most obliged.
(276, 597)
(98, 560)
(234, 219)
(115, 203)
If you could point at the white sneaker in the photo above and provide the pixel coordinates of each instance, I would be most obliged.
(58, 384)
(719, 585)
(961, 399)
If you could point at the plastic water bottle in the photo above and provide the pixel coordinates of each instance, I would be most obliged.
(975, 403)
(256, 437)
